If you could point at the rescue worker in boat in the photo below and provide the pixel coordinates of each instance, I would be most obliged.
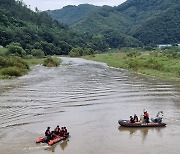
(47, 134)
(57, 130)
(131, 119)
(66, 133)
(158, 118)
(146, 117)
(135, 118)
(62, 131)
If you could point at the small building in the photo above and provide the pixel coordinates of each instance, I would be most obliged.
(164, 45)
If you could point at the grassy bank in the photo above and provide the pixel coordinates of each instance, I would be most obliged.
(153, 63)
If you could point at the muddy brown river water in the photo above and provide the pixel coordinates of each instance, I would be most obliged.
(88, 98)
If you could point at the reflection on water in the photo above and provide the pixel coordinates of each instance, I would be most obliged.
(132, 131)
(63, 144)
(143, 132)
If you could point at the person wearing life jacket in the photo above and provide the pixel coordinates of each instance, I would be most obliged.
(66, 133)
(135, 118)
(47, 134)
(62, 131)
(57, 130)
(146, 117)
(131, 119)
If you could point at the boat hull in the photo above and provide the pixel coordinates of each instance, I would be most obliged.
(125, 123)
(53, 141)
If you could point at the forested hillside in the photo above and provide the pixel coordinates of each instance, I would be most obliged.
(37, 30)
(147, 22)
(71, 13)
(154, 21)
(161, 29)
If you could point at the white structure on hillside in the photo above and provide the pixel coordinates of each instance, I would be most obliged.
(164, 45)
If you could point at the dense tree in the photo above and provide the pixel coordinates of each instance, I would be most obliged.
(37, 53)
(15, 49)
(36, 30)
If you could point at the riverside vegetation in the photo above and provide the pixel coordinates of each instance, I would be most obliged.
(13, 62)
(161, 63)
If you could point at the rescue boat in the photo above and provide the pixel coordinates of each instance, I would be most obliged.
(126, 123)
(42, 139)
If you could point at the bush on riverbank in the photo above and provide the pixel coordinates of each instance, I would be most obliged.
(141, 63)
(12, 66)
(51, 62)
(38, 53)
(77, 52)
(11, 71)
(16, 50)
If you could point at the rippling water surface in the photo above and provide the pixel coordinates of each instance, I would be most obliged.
(88, 98)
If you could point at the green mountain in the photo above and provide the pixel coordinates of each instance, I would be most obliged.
(154, 21)
(133, 23)
(37, 30)
(162, 29)
(71, 13)
(107, 22)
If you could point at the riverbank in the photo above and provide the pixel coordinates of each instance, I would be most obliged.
(13, 66)
(151, 63)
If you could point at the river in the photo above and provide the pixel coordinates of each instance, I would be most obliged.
(88, 98)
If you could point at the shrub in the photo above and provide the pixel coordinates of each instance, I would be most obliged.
(88, 51)
(153, 64)
(133, 54)
(51, 62)
(18, 62)
(76, 52)
(38, 53)
(3, 62)
(11, 71)
(134, 63)
(12, 66)
(28, 57)
(15, 49)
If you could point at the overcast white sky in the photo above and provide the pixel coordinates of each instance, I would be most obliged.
(58, 4)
